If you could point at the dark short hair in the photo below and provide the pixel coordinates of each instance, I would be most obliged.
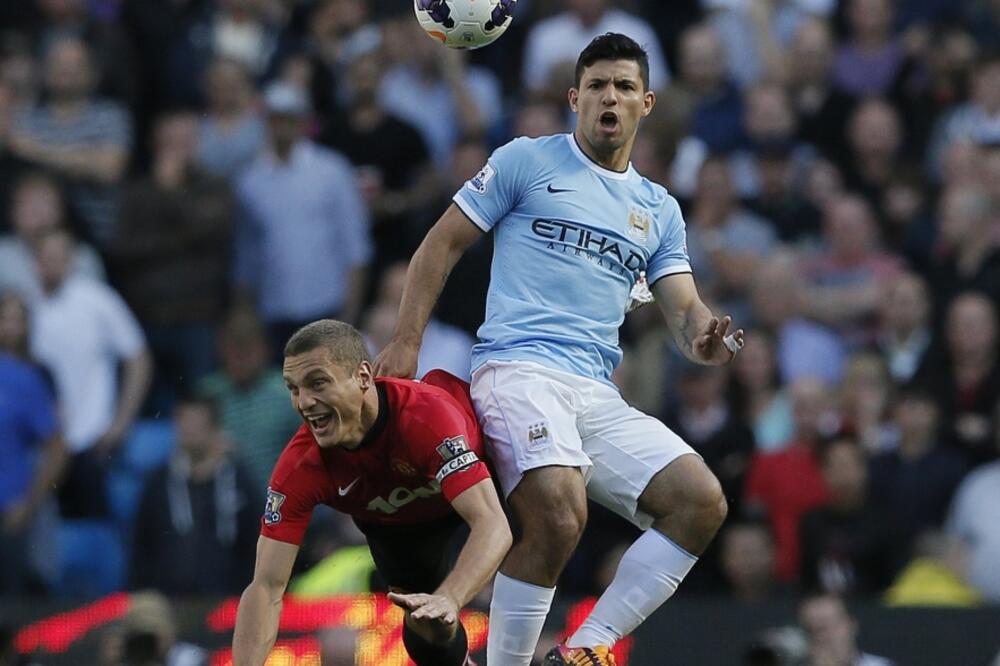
(342, 341)
(200, 401)
(613, 46)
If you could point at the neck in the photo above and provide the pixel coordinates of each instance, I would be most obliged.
(369, 416)
(914, 446)
(283, 151)
(366, 115)
(204, 462)
(67, 106)
(615, 160)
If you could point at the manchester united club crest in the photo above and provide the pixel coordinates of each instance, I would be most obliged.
(639, 221)
(402, 467)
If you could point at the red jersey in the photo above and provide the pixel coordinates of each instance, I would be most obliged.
(424, 450)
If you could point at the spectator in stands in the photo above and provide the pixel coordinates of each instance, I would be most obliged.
(863, 401)
(558, 40)
(967, 256)
(875, 142)
(913, 483)
(757, 394)
(965, 376)
(338, 646)
(171, 254)
(821, 107)
(845, 278)
(37, 207)
(904, 332)
(869, 60)
(197, 522)
(787, 483)
(847, 545)
(85, 140)
(779, 198)
(147, 635)
(974, 519)
(254, 411)
(230, 132)
(747, 559)
(769, 126)
(391, 162)
(804, 348)
(703, 419)
(436, 90)
(538, 116)
(978, 119)
(833, 633)
(302, 217)
(725, 242)
(935, 576)
(33, 454)
(12, 167)
(339, 31)
(443, 346)
(83, 332)
(232, 29)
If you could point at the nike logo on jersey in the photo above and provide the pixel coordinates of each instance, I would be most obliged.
(557, 190)
(343, 490)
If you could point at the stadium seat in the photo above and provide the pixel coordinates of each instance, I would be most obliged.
(92, 559)
(147, 447)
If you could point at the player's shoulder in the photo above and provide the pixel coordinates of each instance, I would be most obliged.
(531, 149)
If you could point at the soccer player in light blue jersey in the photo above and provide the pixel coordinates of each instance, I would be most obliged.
(578, 234)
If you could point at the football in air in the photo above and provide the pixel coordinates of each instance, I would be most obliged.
(464, 24)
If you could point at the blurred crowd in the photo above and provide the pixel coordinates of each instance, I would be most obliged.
(183, 183)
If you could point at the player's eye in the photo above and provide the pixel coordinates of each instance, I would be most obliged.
(318, 384)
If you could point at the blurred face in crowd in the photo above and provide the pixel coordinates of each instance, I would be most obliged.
(963, 217)
(609, 102)
(849, 229)
(865, 386)
(916, 418)
(589, 11)
(228, 88)
(986, 86)
(7, 104)
(13, 324)
(336, 18)
(243, 350)
(715, 184)
(875, 130)
(37, 206)
(177, 136)
(54, 257)
(869, 18)
(823, 183)
(747, 557)
(990, 172)
(194, 423)
(961, 163)
(810, 402)
(971, 327)
(329, 396)
(812, 52)
(755, 365)
(830, 629)
(286, 130)
(363, 77)
(701, 387)
(538, 119)
(906, 306)
(703, 64)
(775, 293)
(466, 161)
(768, 114)
(845, 470)
(61, 10)
(68, 71)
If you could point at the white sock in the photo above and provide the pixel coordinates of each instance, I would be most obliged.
(648, 574)
(517, 614)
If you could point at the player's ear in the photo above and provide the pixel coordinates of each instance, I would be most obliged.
(573, 95)
(365, 375)
(649, 101)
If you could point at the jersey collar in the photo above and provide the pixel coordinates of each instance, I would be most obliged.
(380, 421)
(594, 166)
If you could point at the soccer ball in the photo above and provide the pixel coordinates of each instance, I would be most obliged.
(464, 24)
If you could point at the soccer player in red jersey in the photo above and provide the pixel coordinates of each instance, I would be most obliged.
(403, 458)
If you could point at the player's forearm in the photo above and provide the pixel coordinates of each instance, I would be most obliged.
(484, 550)
(256, 625)
(686, 324)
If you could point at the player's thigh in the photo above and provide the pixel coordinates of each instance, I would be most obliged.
(529, 416)
(628, 448)
(414, 558)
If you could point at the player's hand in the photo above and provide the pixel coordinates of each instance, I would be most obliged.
(710, 345)
(434, 607)
(398, 359)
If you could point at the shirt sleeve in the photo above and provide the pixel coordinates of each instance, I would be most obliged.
(296, 487)
(672, 255)
(124, 333)
(498, 187)
(452, 446)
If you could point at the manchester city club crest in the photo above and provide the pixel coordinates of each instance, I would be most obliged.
(639, 221)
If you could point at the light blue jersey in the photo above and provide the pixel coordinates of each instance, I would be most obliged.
(571, 240)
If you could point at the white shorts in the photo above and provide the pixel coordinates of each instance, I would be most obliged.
(535, 416)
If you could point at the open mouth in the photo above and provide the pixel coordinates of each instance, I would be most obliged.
(319, 422)
(609, 120)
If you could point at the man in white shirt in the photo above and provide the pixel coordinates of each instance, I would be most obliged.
(833, 633)
(559, 40)
(82, 331)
